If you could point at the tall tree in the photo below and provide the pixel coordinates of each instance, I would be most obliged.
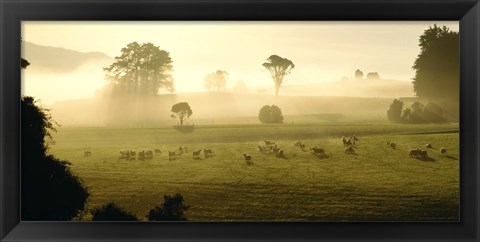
(279, 67)
(141, 69)
(182, 111)
(437, 67)
(216, 80)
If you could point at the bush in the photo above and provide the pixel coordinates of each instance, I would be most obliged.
(112, 212)
(270, 114)
(172, 209)
(395, 111)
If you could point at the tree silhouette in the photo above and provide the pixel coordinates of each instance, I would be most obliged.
(172, 209)
(373, 76)
(182, 111)
(279, 67)
(140, 70)
(358, 74)
(112, 212)
(216, 80)
(50, 192)
(395, 111)
(437, 69)
(270, 114)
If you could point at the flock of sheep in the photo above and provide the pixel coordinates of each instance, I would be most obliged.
(172, 155)
(270, 147)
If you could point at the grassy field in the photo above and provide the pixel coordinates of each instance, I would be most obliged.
(378, 183)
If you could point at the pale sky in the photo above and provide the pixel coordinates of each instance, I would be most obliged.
(322, 51)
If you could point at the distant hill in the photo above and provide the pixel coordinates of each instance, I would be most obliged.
(217, 108)
(353, 88)
(60, 60)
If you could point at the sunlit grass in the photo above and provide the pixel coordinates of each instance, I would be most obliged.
(378, 183)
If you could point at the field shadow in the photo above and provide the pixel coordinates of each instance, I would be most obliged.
(451, 157)
(185, 128)
(429, 159)
(321, 156)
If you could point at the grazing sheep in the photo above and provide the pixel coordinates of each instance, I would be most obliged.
(141, 155)
(387, 142)
(354, 138)
(171, 155)
(131, 155)
(428, 145)
(269, 142)
(443, 151)
(248, 159)
(275, 150)
(208, 153)
(302, 146)
(349, 150)
(414, 153)
(149, 155)
(87, 153)
(280, 153)
(181, 150)
(393, 145)
(262, 149)
(423, 154)
(347, 142)
(317, 150)
(298, 143)
(158, 152)
(196, 154)
(124, 154)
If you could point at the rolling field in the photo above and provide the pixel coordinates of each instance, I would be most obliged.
(377, 183)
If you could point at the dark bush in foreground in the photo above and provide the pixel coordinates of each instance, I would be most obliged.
(112, 212)
(50, 191)
(172, 209)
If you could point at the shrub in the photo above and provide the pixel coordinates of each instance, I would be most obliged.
(112, 212)
(172, 209)
(270, 114)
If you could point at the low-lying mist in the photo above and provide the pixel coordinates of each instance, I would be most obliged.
(214, 108)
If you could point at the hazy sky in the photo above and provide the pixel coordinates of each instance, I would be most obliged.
(321, 51)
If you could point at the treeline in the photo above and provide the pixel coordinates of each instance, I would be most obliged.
(416, 113)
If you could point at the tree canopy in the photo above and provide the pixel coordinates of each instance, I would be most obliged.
(141, 70)
(216, 80)
(270, 114)
(437, 67)
(358, 74)
(181, 110)
(278, 67)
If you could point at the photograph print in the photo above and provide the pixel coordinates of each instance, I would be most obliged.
(231, 121)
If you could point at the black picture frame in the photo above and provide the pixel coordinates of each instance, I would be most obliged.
(12, 12)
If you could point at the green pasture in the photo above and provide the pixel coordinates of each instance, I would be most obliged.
(377, 183)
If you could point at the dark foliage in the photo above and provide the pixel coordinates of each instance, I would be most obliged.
(395, 111)
(358, 74)
(141, 70)
(50, 192)
(417, 113)
(437, 68)
(112, 212)
(172, 209)
(270, 114)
